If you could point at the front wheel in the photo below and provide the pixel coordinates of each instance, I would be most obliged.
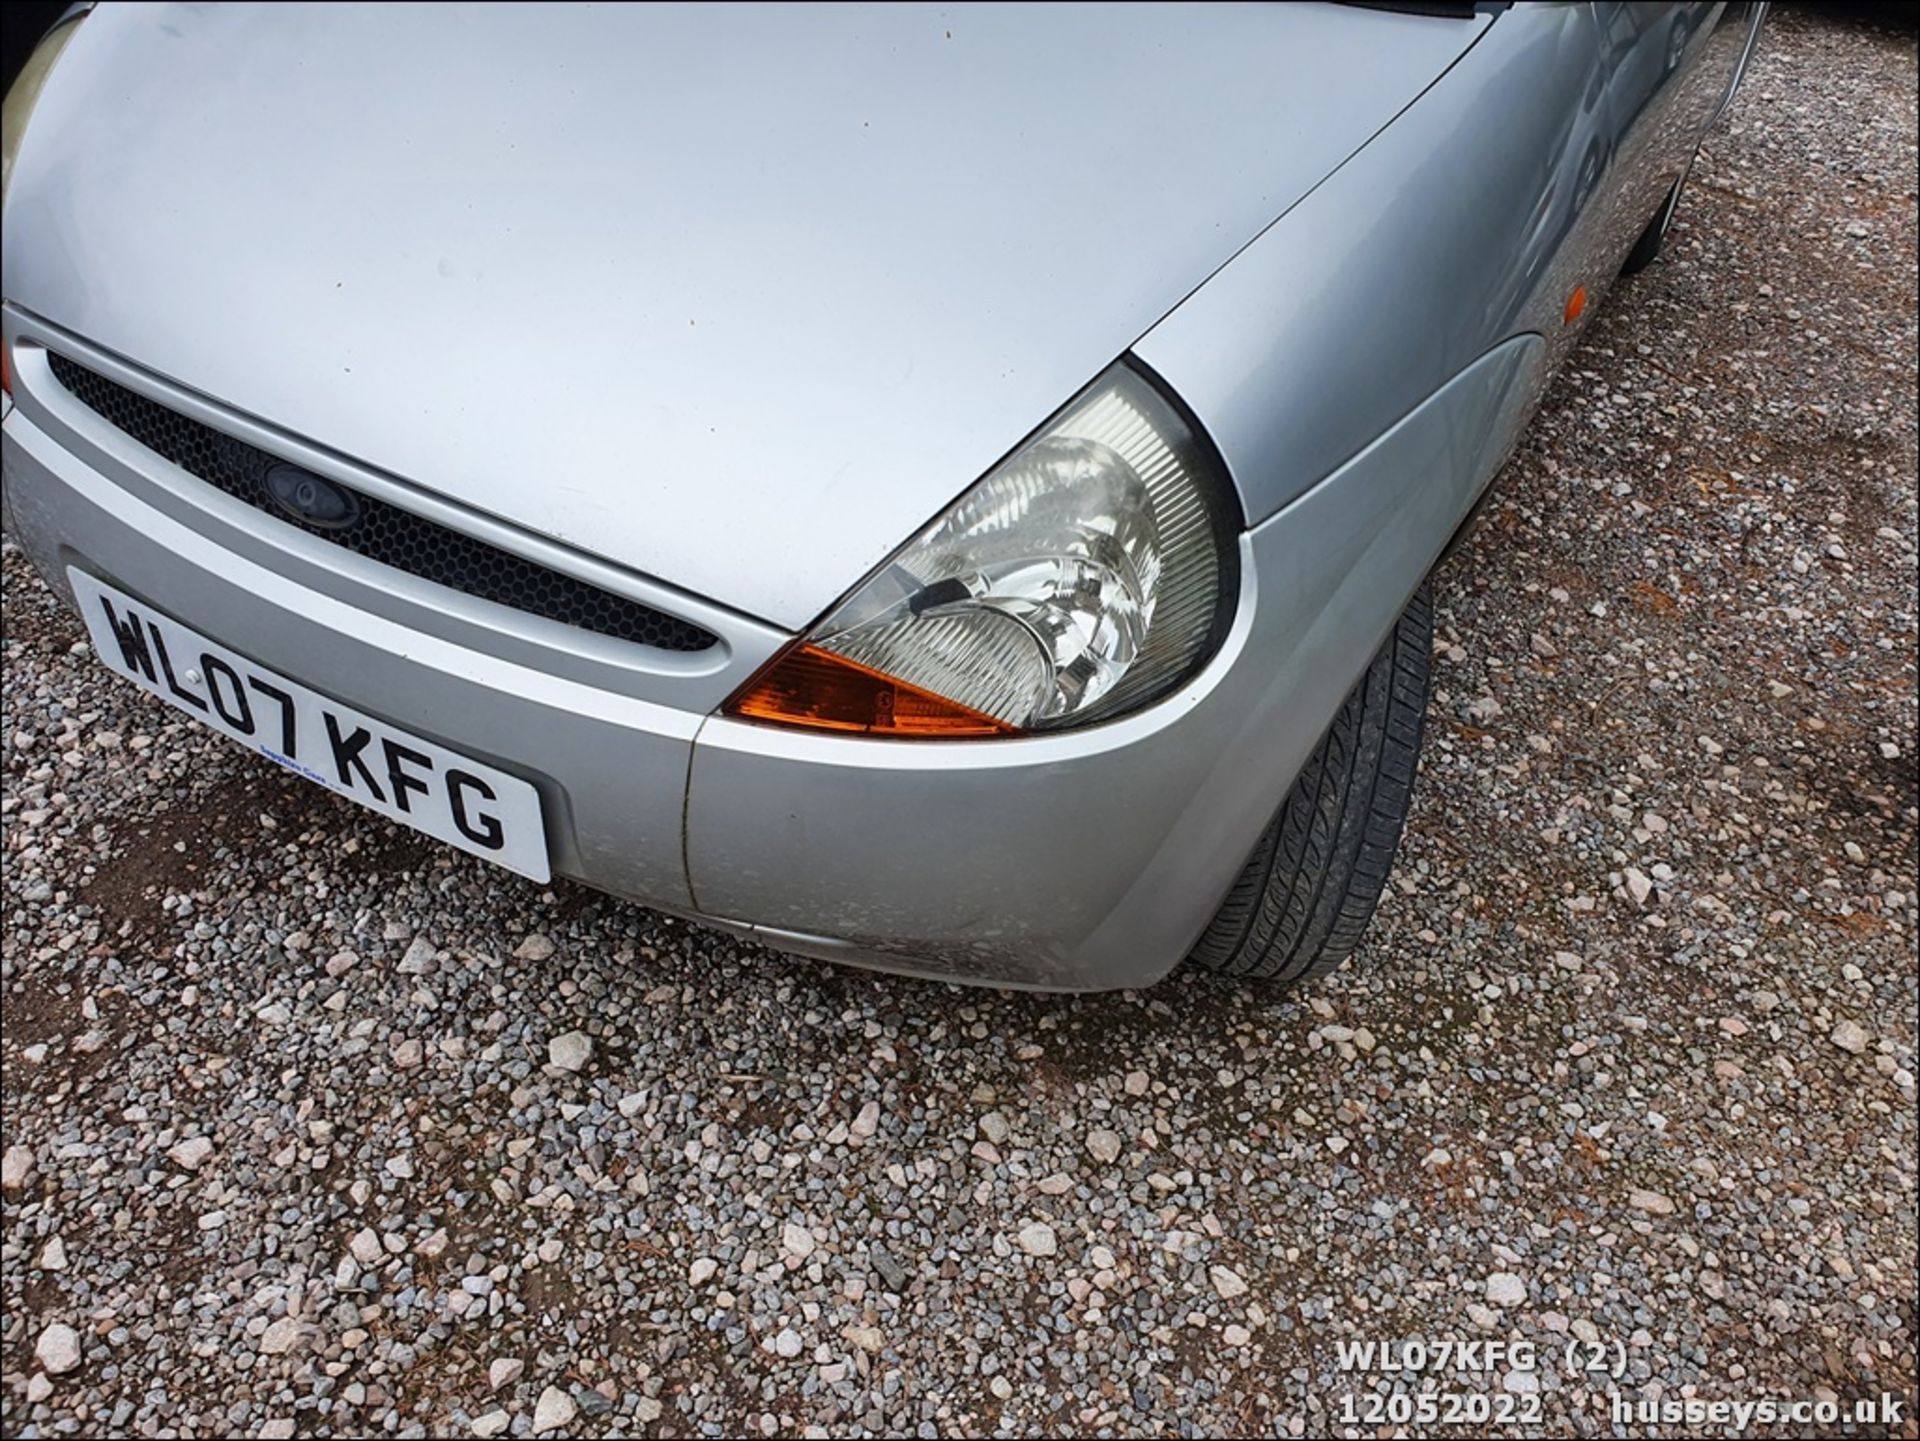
(1312, 882)
(1646, 249)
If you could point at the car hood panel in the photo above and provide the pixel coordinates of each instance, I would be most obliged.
(736, 299)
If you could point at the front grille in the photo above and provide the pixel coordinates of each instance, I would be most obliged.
(384, 532)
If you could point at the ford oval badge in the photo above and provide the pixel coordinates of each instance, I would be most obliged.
(311, 500)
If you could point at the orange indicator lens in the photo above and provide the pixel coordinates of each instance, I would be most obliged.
(818, 690)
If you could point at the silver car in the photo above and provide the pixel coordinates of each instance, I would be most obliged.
(948, 490)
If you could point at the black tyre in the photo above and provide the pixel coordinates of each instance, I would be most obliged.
(1646, 249)
(1316, 875)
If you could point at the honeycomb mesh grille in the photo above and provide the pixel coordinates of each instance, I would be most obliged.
(383, 532)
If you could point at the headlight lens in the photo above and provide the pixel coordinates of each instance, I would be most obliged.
(1086, 574)
(25, 90)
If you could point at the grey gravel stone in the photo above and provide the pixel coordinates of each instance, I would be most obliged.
(1506, 1289)
(58, 1349)
(796, 1240)
(15, 1168)
(418, 960)
(570, 1051)
(891, 1271)
(554, 1410)
(192, 1153)
(536, 947)
(1037, 1238)
(1852, 1037)
(1227, 1282)
(282, 1336)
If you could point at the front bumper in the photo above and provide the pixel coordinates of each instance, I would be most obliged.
(1088, 860)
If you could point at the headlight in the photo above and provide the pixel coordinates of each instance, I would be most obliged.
(1089, 572)
(26, 89)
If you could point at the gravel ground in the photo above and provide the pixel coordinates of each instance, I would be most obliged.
(314, 1128)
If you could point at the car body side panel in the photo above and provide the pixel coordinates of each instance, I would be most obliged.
(1669, 70)
(1094, 858)
(1525, 171)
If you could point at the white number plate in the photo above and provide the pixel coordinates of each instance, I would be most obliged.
(403, 777)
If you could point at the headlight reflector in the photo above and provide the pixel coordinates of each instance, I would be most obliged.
(1084, 575)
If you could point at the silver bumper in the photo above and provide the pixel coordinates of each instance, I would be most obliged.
(1081, 861)
(610, 769)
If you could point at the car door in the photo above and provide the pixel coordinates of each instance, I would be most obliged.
(1669, 71)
